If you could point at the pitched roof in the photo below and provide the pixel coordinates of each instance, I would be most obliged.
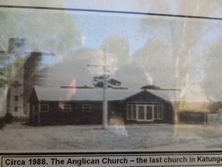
(147, 95)
(96, 94)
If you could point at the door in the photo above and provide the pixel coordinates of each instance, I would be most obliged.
(144, 112)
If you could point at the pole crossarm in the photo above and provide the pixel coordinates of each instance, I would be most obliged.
(77, 87)
(105, 84)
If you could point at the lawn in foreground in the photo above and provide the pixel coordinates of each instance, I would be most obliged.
(150, 137)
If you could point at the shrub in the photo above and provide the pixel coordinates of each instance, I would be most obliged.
(8, 118)
(1, 123)
(214, 107)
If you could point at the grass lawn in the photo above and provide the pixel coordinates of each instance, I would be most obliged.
(150, 137)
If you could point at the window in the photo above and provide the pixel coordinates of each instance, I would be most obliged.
(86, 108)
(131, 112)
(44, 108)
(16, 84)
(158, 112)
(141, 112)
(16, 98)
(67, 108)
(16, 109)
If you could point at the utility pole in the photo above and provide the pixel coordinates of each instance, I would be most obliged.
(105, 85)
(105, 105)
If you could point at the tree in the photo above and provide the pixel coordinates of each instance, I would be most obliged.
(9, 71)
(54, 32)
(155, 61)
(118, 49)
(98, 81)
(20, 71)
(213, 80)
(3, 85)
(185, 39)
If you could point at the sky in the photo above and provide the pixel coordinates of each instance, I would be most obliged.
(127, 5)
(155, 44)
(96, 28)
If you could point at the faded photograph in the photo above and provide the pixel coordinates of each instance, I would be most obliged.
(75, 80)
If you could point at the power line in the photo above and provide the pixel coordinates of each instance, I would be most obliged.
(113, 12)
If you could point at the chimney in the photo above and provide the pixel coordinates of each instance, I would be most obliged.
(16, 45)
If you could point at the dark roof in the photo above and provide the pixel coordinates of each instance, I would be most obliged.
(96, 94)
(150, 95)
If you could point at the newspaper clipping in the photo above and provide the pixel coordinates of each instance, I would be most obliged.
(119, 83)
